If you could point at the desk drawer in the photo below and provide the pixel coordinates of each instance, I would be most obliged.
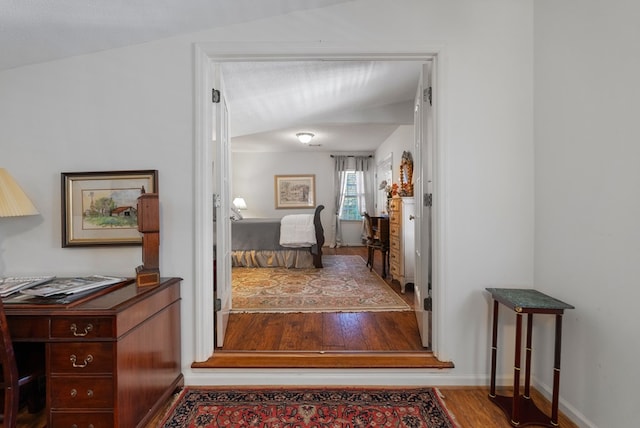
(82, 328)
(28, 328)
(82, 393)
(82, 420)
(82, 358)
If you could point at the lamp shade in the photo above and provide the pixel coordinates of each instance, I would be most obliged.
(240, 203)
(13, 201)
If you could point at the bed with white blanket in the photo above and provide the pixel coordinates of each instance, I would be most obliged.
(294, 241)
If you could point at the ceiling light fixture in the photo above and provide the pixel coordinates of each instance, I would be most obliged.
(304, 137)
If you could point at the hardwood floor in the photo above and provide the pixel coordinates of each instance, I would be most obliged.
(335, 331)
(331, 331)
(338, 339)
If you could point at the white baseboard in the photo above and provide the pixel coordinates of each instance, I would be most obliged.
(330, 377)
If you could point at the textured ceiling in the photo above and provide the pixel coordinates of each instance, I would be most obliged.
(348, 105)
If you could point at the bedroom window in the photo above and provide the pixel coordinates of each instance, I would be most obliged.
(353, 196)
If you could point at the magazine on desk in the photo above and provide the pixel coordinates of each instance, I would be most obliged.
(59, 286)
(13, 284)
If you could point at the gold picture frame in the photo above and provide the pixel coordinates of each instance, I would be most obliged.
(100, 208)
(295, 191)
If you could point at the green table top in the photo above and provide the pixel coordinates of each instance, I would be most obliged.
(528, 300)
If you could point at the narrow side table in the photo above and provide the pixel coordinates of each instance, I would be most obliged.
(521, 409)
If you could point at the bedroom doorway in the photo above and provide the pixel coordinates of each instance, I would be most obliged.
(237, 76)
(201, 344)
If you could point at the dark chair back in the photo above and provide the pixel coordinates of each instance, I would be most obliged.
(368, 226)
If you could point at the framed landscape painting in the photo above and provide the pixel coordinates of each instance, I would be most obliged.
(295, 191)
(100, 208)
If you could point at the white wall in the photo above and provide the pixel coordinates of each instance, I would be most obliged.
(587, 201)
(132, 108)
(253, 179)
(399, 141)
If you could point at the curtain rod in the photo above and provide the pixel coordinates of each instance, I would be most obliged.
(351, 156)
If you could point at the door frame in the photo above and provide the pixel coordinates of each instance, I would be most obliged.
(205, 56)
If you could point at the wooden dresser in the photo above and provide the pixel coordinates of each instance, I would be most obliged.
(401, 240)
(111, 359)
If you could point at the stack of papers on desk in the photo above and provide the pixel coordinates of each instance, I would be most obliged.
(11, 285)
(59, 286)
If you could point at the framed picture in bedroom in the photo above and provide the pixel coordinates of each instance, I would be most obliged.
(295, 191)
(100, 208)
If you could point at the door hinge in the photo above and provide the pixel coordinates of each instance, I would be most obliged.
(215, 96)
(217, 202)
(427, 304)
(218, 305)
(426, 95)
(428, 199)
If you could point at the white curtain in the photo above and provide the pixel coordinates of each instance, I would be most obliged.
(340, 167)
(363, 170)
(365, 190)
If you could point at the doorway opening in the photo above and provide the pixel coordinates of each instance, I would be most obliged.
(200, 343)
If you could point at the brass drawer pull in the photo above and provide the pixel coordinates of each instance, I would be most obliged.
(74, 393)
(76, 426)
(87, 360)
(74, 330)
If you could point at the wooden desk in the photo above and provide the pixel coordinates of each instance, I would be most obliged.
(112, 358)
(521, 410)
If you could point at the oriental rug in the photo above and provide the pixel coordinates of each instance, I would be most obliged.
(345, 284)
(308, 408)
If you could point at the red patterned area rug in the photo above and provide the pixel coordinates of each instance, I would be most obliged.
(345, 284)
(309, 408)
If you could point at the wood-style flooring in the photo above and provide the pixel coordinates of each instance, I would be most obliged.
(335, 339)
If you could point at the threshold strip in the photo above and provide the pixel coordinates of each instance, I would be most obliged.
(322, 359)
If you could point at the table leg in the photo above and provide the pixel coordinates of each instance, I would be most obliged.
(494, 350)
(556, 372)
(515, 409)
(527, 369)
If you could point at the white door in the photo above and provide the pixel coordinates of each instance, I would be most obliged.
(221, 178)
(422, 175)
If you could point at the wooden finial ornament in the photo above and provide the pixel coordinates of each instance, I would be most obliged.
(149, 225)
